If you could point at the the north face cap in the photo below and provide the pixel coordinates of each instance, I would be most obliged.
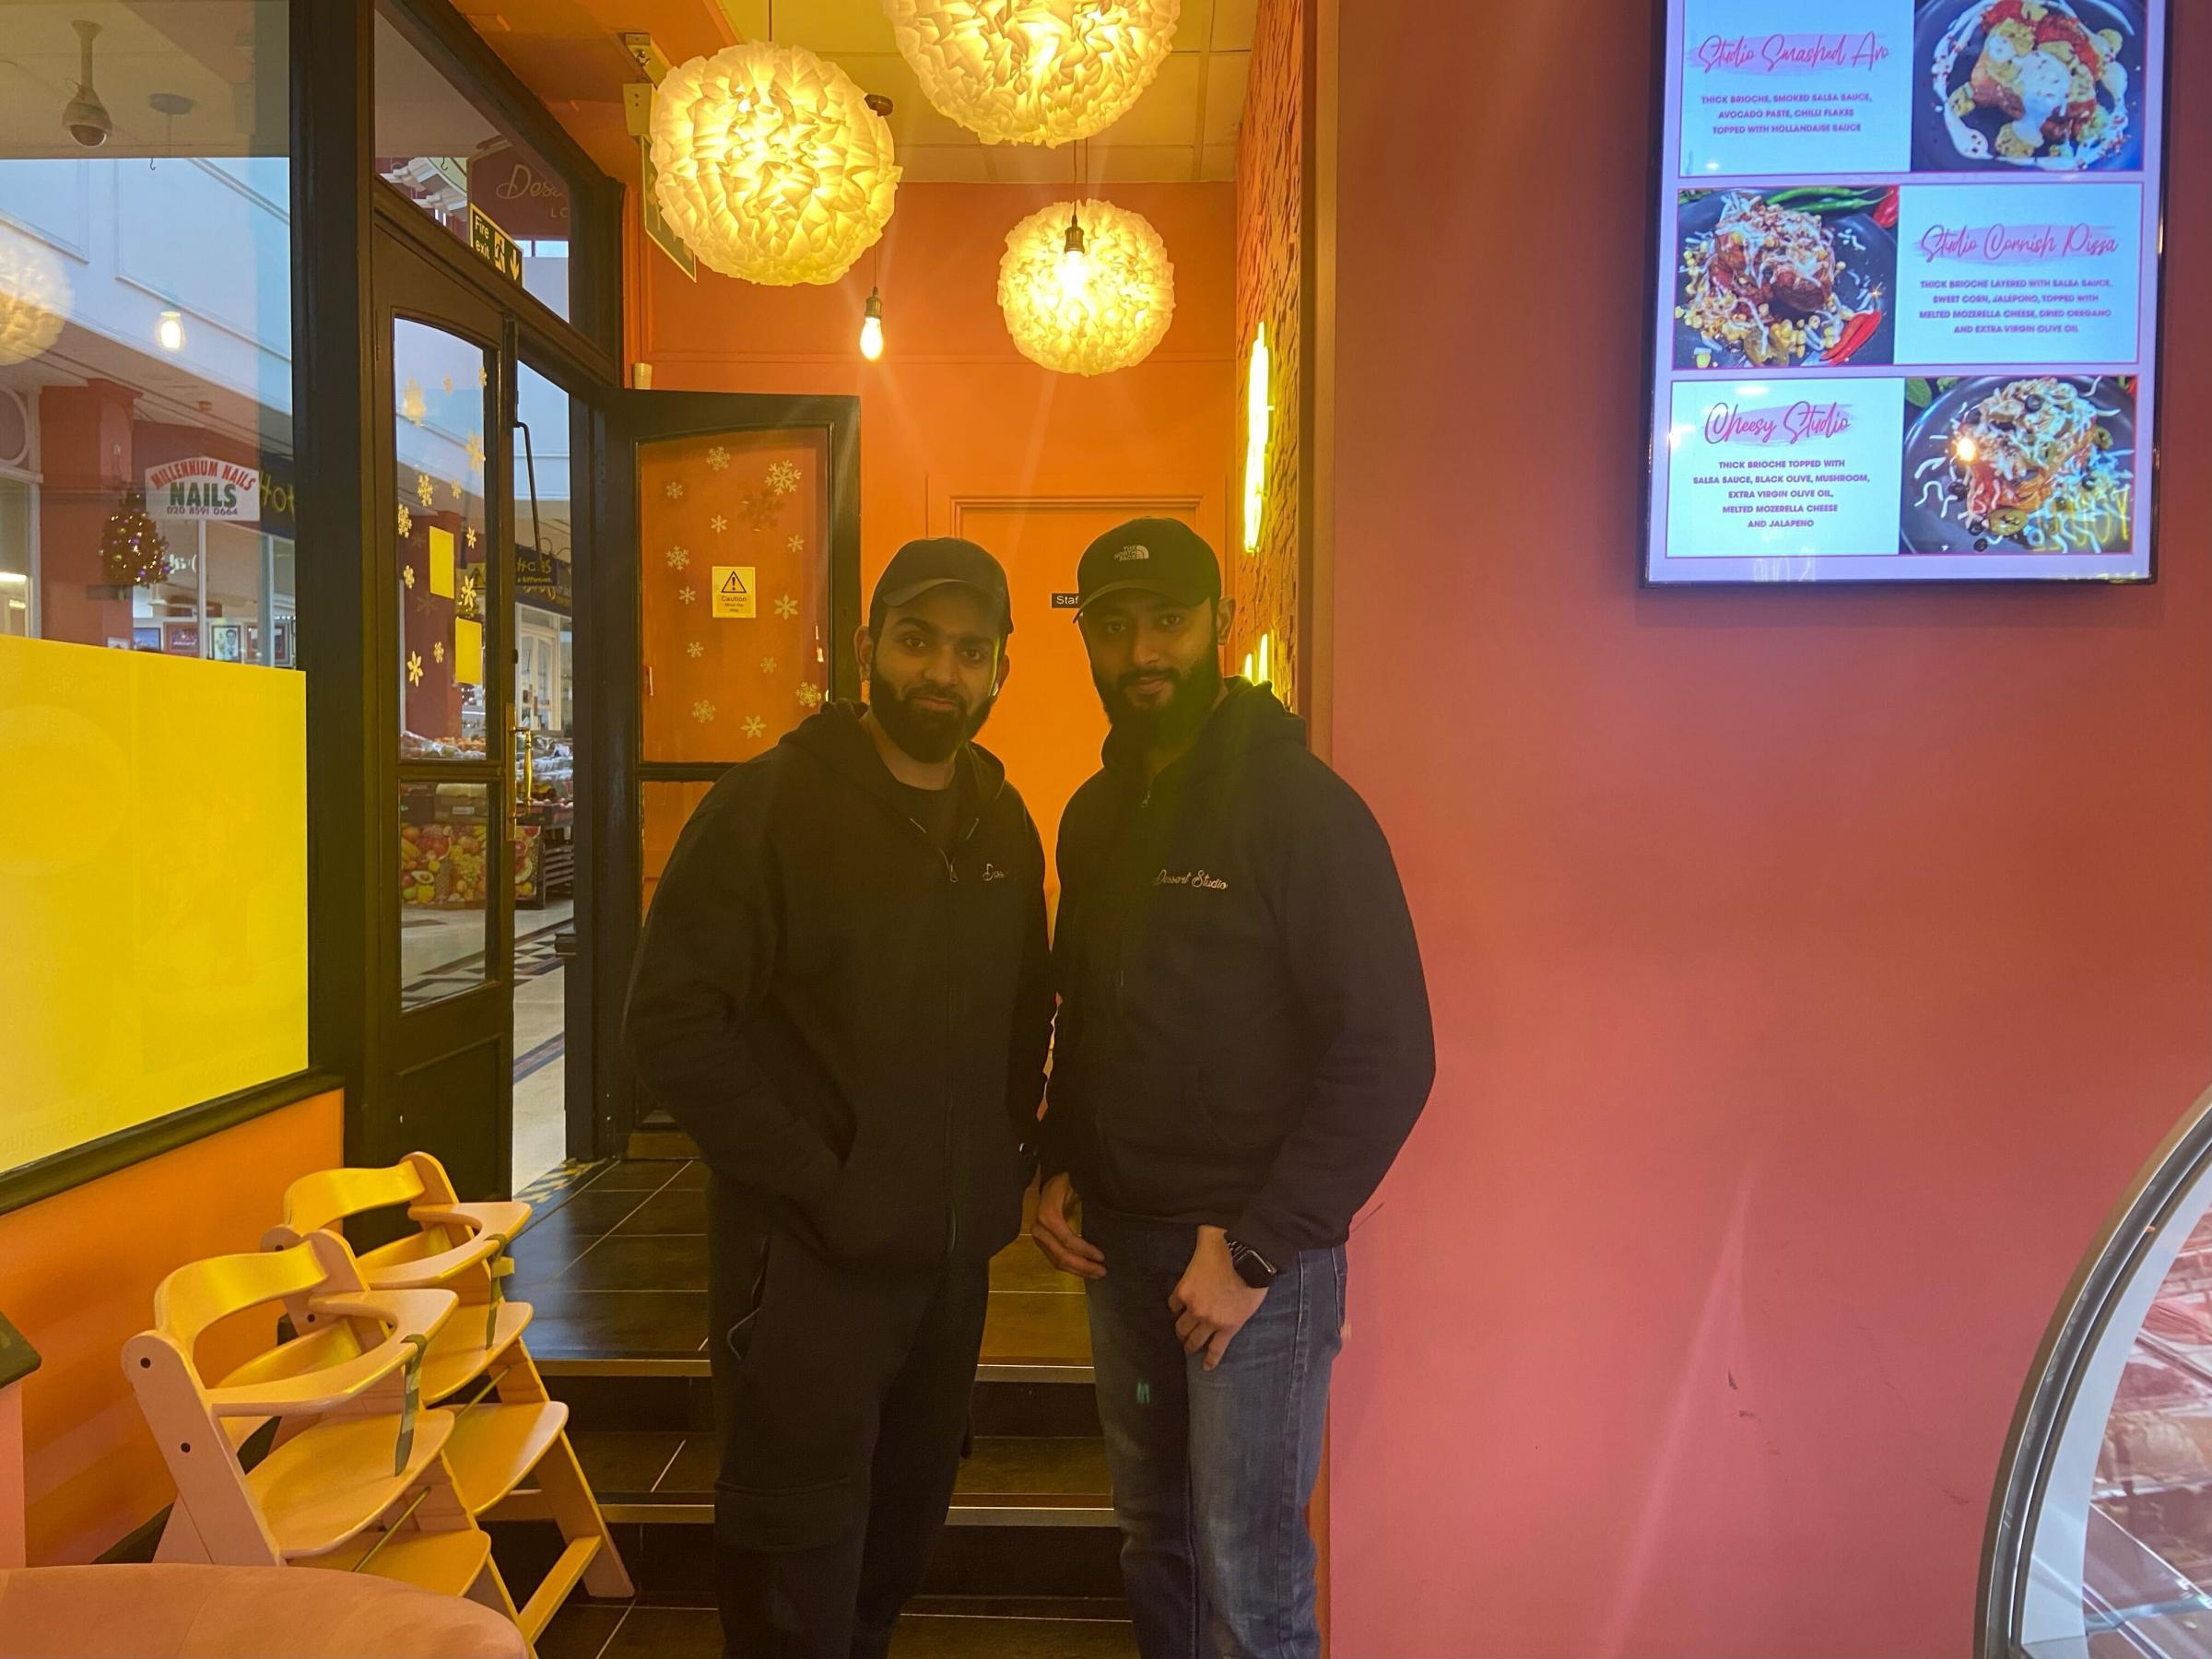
(1160, 556)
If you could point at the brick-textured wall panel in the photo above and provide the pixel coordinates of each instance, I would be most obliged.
(1269, 192)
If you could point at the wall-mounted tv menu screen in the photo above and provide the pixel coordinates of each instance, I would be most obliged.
(1906, 291)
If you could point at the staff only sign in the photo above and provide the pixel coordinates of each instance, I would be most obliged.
(204, 488)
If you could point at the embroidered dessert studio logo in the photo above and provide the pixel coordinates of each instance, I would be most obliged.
(1133, 551)
(1190, 878)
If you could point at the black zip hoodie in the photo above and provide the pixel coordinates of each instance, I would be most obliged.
(1244, 1037)
(850, 1022)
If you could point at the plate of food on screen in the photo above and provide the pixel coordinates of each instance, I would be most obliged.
(2050, 83)
(2039, 463)
(1794, 278)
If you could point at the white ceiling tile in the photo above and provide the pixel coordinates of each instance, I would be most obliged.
(748, 18)
(1027, 164)
(1145, 164)
(946, 164)
(833, 26)
(1225, 77)
(1194, 26)
(1220, 162)
(1168, 112)
(1233, 21)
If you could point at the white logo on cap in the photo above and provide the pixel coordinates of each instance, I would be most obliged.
(1133, 550)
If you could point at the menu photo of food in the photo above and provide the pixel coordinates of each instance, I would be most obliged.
(2036, 463)
(2010, 84)
(1787, 279)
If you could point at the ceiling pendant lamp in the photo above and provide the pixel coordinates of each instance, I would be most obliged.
(771, 165)
(1034, 71)
(1085, 287)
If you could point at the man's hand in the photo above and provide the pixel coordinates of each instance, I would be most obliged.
(1063, 1247)
(1211, 1302)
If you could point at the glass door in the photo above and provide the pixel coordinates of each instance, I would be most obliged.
(549, 998)
(446, 546)
(745, 518)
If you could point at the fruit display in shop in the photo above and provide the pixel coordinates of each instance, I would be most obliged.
(441, 865)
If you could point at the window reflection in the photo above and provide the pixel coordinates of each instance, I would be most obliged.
(145, 418)
(466, 169)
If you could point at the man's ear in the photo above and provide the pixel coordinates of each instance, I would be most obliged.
(1225, 617)
(1005, 671)
(864, 650)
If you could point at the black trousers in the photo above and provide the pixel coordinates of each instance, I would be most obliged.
(842, 1397)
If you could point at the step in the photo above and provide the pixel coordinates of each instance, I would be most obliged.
(664, 1477)
(1069, 1628)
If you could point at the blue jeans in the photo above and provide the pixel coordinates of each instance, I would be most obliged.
(1212, 1469)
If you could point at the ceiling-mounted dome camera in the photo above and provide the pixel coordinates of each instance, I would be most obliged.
(85, 117)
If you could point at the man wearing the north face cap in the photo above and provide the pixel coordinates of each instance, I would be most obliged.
(1243, 1045)
(843, 994)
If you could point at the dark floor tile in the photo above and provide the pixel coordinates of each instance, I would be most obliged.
(634, 1175)
(1036, 1408)
(624, 1462)
(1034, 1561)
(935, 1636)
(580, 1630)
(645, 1261)
(669, 1212)
(592, 1210)
(692, 1473)
(1103, 1609)
(549, 1244)
(692, 1177)
(614, 1324)
(1035, 1468)
(667, 1633)
(632, 1404)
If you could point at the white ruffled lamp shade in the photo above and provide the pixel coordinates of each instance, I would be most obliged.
(1090, 311)
(771, 165)
(1034, 71)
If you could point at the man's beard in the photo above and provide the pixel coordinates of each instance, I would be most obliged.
(1174, 723)
(928, 735)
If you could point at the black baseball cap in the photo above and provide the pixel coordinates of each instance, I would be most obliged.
(937, 561)
(1160, 556)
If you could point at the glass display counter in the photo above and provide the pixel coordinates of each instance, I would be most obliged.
(2100, 1542)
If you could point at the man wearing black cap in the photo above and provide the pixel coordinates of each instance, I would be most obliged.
(843, 994)
(1243, 1045)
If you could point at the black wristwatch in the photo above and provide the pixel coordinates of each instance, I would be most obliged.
(1253, 1267)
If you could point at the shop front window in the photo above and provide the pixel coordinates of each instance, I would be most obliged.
(145, 409)
(465, 168)
(155, 786)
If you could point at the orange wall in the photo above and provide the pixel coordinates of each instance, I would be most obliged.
(953, 411)
(1812, 969)
(78, 1272)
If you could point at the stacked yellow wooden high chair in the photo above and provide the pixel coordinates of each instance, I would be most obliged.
(360, 1479)
(406, 1408)
(507, 1427)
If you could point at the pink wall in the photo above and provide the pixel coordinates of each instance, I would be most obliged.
(1812, 969)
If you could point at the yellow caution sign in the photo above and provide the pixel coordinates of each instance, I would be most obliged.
(733, 597)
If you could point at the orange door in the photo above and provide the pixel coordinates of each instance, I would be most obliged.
(1048, 725)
